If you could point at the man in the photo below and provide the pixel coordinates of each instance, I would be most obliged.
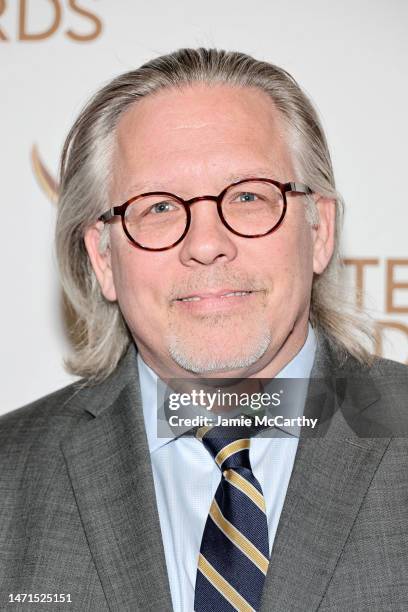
(197, 236)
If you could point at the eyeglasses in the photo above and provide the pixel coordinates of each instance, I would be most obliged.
(251, 208)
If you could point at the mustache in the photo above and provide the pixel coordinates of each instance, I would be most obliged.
(216, 280)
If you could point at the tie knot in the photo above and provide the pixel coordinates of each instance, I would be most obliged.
(228, 452)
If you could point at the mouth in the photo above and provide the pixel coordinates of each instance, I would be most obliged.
(213, 296)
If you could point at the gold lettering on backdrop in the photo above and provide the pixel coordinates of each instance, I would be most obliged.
(380, 327)
(58, 11)
(3, 36)
(392, 285)
(360, 264)
(47, 182)
(91, 16)
(23, 34)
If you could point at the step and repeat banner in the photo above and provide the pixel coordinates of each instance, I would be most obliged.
(350, 57)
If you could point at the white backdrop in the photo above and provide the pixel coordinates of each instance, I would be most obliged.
(350, 57)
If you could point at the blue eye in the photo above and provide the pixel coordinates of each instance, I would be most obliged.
(161, 207)
(247, 197)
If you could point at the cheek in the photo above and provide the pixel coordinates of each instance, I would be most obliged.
(302, 267)
(291, 263)
(139, 283)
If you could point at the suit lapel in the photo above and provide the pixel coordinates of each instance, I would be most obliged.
(109, 465)
(330, 478)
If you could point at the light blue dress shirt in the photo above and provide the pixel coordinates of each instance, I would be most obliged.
(186, 478)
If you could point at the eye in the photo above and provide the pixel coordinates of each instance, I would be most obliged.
(247, 196)
(162, 207)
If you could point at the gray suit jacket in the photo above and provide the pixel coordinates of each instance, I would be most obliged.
(78, 513)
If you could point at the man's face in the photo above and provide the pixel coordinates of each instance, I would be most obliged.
(192, 142)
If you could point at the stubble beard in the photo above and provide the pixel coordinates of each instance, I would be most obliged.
(203, 353)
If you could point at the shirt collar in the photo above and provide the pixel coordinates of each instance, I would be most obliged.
(299, 367)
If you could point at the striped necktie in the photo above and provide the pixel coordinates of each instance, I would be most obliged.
(234, 552)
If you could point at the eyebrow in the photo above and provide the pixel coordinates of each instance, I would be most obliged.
(150, 186)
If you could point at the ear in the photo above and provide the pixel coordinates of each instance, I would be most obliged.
(323, 233)
(101, 261)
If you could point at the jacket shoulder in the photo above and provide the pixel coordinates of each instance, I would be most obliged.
(388, 367)
(46, 421)
(46, 418)
(380, 370)
(391, 377)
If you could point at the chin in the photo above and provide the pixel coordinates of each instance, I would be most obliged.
(209, 357)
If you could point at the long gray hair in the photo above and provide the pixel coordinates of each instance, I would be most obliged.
(99, 335)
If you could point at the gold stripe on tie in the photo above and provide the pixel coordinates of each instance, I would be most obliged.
(226, 590)
(237, 538)
(230, 449)
(201, 431)
(245, 487)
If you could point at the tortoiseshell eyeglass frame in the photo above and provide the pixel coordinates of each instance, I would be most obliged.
(291, 187)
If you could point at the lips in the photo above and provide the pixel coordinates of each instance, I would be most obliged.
(225, 293)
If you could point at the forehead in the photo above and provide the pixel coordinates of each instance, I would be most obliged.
(199, 130)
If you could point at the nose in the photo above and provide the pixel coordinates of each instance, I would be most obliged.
(208, 240)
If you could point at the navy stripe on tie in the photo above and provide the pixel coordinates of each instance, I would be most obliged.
(209, 598)
(219, 551)
(237, 510)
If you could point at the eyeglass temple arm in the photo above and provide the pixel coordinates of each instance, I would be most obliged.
(112, 212)
(298, 188)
